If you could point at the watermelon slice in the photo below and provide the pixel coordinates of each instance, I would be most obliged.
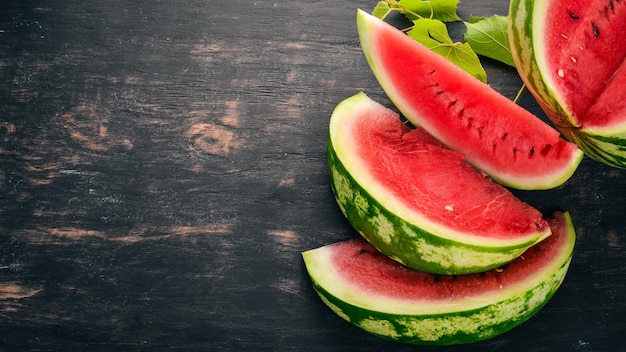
(419, 202)
(391, 301)
(497, 136)
(571, 56)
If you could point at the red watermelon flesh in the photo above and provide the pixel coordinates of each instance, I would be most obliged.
(497, 136)
(585, 41)
(366, 270)
(437, 182)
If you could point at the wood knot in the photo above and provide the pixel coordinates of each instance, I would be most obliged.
(210, 139)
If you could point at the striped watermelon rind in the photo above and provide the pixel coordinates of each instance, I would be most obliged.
(405, 242)
(606, 147)
(408, 238)
(521, 32)
(526, 18)
(444, 321)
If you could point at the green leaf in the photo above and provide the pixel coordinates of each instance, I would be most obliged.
(489, 37)
(434, 35)
(444, 10)
(431, 33)
(381, 10)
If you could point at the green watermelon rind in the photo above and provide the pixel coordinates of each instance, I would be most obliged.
(521, 34)
(442, 251)
(451, 328)
(609, 149)
(405, 242)
(422, 323)
(606, 145)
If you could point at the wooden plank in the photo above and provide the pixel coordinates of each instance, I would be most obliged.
(164, 164)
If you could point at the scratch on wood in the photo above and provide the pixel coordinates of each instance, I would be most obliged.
(44, 167)
(286, 238)
(295, 46)
(39, 181)
(613, 239)
(288, 286)
(72, 232)
(52, 235)
(232, 116)
(292, 76)
(13, 290)
(132, 80)
(284, 234)
(8, 127)
(288, 179)
(289, 182)
(23, 197)
(206, 229)
(88, 127)
(208, 52)
(142, 234)
(11, 293)
(178, 231)
(292, 107)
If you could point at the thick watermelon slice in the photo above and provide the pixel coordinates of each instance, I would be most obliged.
(419, 202)
(497, 136)
(389, 300)
(570, 54)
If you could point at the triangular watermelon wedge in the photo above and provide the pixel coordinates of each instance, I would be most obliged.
(494, 134)
(391, 301)
(418, 201)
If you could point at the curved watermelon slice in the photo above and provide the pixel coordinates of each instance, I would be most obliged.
(419, 202)
(391, 301)
(497, 136)
(571, 56)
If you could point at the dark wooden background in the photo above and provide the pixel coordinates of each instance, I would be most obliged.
(163, 166)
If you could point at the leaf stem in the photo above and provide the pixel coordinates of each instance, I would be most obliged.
(519, 93)
(395, 6)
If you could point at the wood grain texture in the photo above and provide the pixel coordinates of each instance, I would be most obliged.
(163, 166)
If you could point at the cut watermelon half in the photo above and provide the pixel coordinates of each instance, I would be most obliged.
(419, 202)
(389, 300)
(497, 136)
(570, 54)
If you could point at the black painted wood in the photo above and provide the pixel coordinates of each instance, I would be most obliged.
(163, 165)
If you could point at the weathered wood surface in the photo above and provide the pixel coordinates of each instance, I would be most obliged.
(163, 165)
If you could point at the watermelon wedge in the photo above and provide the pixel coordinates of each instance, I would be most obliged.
(494, 134)
(571, 56)
(419, 202)
(394, 302)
